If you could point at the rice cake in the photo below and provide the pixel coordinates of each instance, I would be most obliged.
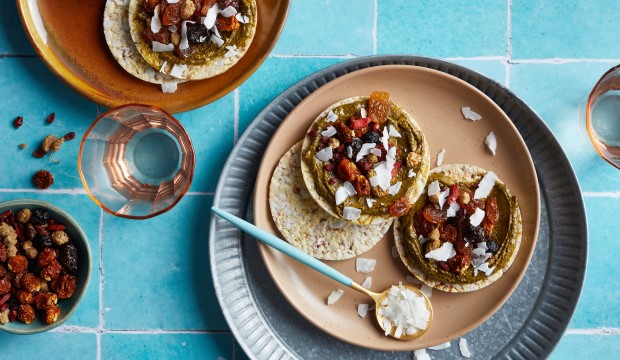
(306, 225)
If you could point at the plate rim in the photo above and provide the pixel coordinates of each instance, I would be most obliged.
(56, 66)
(235, 202)
(450, 80)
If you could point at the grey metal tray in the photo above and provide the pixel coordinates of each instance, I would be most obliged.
(527, 326)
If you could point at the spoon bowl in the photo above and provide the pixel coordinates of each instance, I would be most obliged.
(288, 249)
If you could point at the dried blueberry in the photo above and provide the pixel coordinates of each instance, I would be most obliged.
(43, 242)
(68, 258)
(40, 217)
(492, 246)
(474, 233)
(371, 137)
(197, 33)
(226, 3)
(356, 145)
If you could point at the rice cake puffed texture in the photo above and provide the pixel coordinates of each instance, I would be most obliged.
(118, 38)
(306, 225)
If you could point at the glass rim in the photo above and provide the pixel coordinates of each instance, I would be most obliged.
(191, 153)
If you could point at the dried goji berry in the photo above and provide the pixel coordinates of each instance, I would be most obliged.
(359, 123)
(395, 168)
(347, 170)
(455, 191)
(39, 153)
(400, 207)
(55, 227)
(69, 136)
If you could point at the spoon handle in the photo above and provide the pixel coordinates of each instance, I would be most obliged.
(283, 246)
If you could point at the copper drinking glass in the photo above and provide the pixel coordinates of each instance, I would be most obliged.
(136, 161)
(603, 116)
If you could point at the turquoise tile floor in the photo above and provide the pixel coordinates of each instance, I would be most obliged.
(154, 302)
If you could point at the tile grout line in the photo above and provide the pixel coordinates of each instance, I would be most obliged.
(101, 327)
(236, 117)
(601, 194)
(508, 62)
(594, 331)
(374, 27)
(470, 58)
(83, 192)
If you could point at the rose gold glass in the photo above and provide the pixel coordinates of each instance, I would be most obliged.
(603, 116)
(136, 161)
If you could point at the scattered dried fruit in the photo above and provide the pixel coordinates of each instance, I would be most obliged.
(22, 146)
(69, 136)
(51, 117)
(43, 179)
(18, 122)
(39, 153)
(25, 314)
(47, 142)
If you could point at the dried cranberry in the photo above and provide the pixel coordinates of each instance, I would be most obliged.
(18, 122)
(324, 140)
(443, 265)
(338, 157)
(329, 166)
(30, 231)
(332, 181)
(311, 134)
(39, 153)
(455, 191)
(364, 165)
(50, 119)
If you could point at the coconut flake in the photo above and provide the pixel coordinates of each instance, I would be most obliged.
(440, 346)
(486, 185)
(440, 156)
(232, 51)
(329, 132)
(159, 47)
(443, 197)
(463, 348)
(163, 66)
(365, 266)
(385, 137)
(351, 213)
(155, 21)
(172, 1)
(454, 207)
(178, 71)
(363, 113)
(349, 152)
(365, 150)
(394, 189)
(469, 114)
(367, 283)
(217, 40)
(427, 290)
(362, 310)
(334, 296)
(422, 239)
(420, 354)
(228, 12)
(325, 154)
(392, 132)
(184, 44)
(433, 188)
(172, 28)
(370, 202)
(485, 269)
(344, 192)
(445, 252)
(209, 19)
(411, 173)
(169, 88)
(476, 218)
(383, 177)
(394, 252)
(491, 142)
(405, 310)
(242, 18)
(331, 116)
(376, 152)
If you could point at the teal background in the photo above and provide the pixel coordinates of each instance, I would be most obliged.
(151, 293)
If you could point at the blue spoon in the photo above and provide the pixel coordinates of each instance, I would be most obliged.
(302, 257)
